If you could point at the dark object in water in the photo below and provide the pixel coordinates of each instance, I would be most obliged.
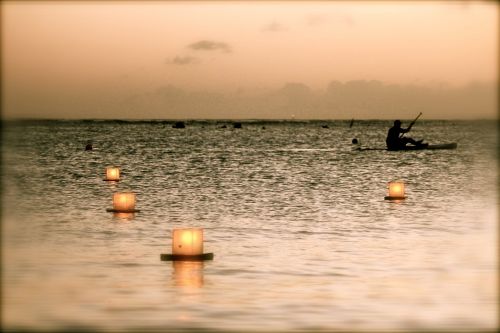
(351, 123)
(111, 210)
(237, 125)
(185, 257)
(223, 126)
(179, 124)
(452, 145)
(89, 145)
(324, 126)
(394, 198)
(354, 141)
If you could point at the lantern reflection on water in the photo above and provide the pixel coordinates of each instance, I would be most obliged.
(123, 202)
(124, 216)
(396, 191)
(112, 174)
(188, 273)
(187, 244)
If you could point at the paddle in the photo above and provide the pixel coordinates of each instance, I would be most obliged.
(411, 124)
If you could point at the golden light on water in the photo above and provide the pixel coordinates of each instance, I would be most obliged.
(124, 201)
(112, 173)
(188, 273)
(124, 216)
(187, 241)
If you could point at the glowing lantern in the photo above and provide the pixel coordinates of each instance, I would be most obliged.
(123, 202)
(396, 191)
(187, 241)
(187, 244)
(112, 174)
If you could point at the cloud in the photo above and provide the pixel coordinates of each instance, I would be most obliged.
(295, 89)
(187, 60)
(274, 27)
(209, 45)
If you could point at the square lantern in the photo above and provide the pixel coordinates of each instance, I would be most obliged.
(187, 244)
(112, 174)
(396, 191)
(187, 241)
(123, 202)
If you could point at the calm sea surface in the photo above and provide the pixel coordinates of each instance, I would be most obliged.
(302, 236)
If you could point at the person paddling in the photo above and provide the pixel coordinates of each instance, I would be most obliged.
(395, 139)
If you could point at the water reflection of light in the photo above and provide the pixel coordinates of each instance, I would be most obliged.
(124, 216)
(396, 201)
(188, 273)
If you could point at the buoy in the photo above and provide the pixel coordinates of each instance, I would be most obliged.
(179, 124)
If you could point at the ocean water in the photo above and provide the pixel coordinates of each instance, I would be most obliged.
(302, 236)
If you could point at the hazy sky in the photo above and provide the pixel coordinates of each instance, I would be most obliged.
(245, 59)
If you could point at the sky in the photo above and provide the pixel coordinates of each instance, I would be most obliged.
(249, 59)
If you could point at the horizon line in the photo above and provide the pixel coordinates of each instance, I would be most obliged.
(234, 119)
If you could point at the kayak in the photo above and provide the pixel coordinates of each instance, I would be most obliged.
(451, 145)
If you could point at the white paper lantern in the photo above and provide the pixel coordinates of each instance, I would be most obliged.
(124, 202)
(112, 174)
(396, 190)
(187, 241)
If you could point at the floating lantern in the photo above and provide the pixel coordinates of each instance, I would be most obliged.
(187, 241)
(188, 274)
(112, 174)
(123, 202)
(187, 244)
(396, 191)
